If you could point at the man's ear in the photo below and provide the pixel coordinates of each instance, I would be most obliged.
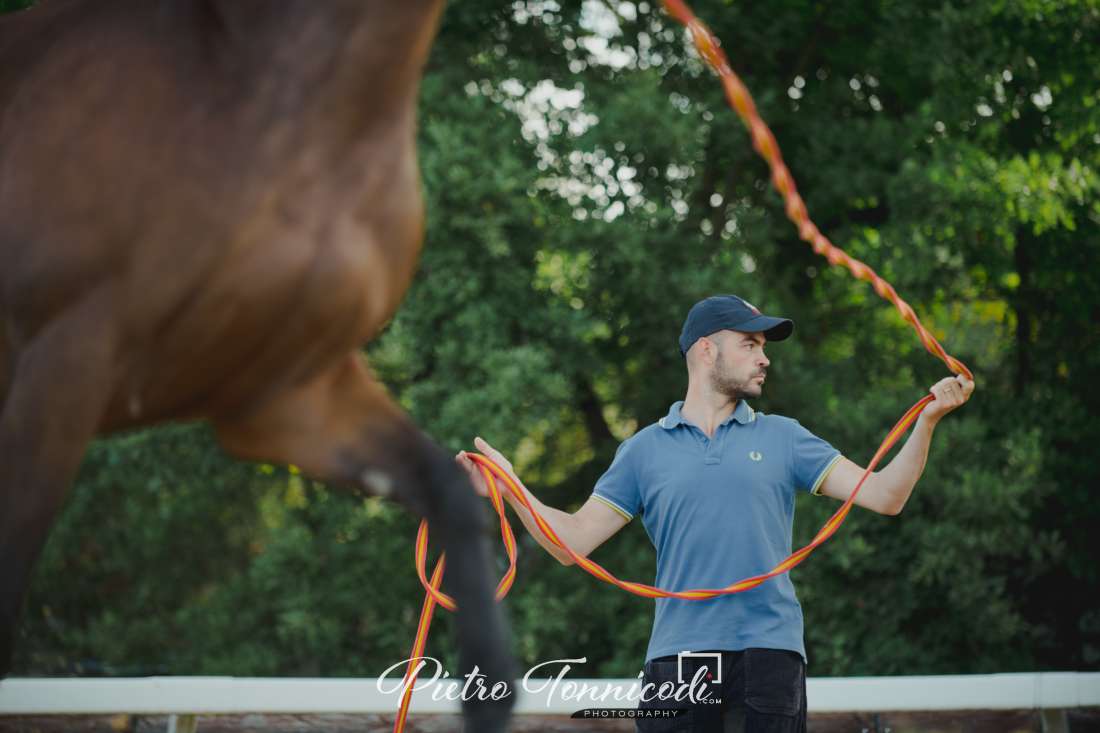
(705, 348)
(714, 348)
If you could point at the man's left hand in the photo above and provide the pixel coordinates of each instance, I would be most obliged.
(950, 392)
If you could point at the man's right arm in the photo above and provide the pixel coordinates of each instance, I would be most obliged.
(583, 531)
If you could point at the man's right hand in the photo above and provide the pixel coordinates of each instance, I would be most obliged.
(583, 530)
(474, 470)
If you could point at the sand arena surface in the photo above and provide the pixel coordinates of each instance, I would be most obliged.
(1081, 720)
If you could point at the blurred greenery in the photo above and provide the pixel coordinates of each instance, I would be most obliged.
(586, 184)
(7, 6)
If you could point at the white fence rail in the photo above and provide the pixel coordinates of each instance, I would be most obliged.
(210, 695)
(189, 696)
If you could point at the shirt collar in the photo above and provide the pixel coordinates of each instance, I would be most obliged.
(743, 414)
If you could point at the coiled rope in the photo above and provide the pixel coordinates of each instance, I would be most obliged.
(763, 141)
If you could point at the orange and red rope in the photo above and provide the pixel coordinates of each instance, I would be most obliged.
(765, 144)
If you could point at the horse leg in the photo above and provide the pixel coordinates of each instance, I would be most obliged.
(59, 386)
(343, 427)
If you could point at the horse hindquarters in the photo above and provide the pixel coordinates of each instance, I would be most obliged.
(59, 385)
(343, 427)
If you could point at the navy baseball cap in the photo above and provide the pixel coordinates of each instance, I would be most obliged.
(720, 312)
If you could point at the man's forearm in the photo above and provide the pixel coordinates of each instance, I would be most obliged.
(561, 522)
(896, 481)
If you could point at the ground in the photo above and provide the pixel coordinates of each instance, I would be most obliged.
(1085, 720)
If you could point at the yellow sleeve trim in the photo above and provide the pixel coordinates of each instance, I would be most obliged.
(614, 506)
(816, 488)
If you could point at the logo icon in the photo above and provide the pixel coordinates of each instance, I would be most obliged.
(716, 656)
(755, 455)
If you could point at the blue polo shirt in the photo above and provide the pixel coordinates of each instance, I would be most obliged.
(718, 510)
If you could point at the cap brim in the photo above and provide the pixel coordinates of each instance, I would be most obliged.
(774, 329)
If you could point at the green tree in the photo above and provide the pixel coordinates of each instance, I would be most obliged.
(586, 183)
(7, 6)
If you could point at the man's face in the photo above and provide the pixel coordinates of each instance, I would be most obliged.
(740, 365)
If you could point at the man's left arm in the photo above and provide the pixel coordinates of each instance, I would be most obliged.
(887, 490)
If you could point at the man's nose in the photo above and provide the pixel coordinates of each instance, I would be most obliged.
(764, 361)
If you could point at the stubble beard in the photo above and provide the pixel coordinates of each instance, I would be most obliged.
(725, 383)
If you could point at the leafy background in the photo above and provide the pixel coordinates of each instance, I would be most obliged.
(585, 185)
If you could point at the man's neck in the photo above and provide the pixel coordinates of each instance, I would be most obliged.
(707, 409)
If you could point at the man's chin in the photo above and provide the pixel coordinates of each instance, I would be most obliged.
(748, 392)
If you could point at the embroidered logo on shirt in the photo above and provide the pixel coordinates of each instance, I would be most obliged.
(755, 455)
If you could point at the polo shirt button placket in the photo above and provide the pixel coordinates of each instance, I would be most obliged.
(713, 453)
(706, 442)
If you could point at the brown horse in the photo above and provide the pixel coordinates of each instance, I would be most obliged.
(207, 207)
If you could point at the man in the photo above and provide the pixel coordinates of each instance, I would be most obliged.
(715, 482)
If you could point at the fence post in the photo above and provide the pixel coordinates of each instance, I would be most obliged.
(1054, 720)
(183, 723)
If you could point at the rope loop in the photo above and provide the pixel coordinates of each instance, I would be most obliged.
(764, 142)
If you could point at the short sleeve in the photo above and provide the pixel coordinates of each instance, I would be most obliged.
(812, 458)
(618, 487)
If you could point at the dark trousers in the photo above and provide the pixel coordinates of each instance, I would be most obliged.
(759, 691)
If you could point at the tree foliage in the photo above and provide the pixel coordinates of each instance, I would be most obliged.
(586, 184)
(7, 6)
